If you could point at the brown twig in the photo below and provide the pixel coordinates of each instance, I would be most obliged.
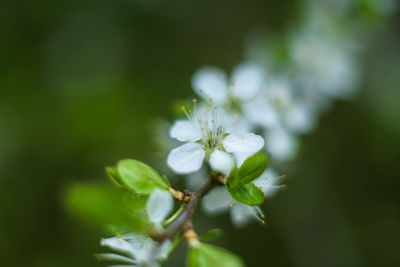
(188, 212)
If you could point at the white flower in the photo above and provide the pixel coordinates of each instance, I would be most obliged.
(277, 107)
(230, 95)
(139, 249)
(324, 62)
(218, 200)
(212, 83)
(205, 138)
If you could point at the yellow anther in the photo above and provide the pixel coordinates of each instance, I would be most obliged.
(231, 205)
(262, 216)
(194, 100)
(283, 186)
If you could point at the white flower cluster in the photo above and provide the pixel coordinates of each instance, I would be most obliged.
(264, 106)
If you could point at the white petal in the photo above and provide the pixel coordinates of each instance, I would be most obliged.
(261, 113)
(241, 215)
(281, 144)
(186, 158)
(217, 200)
(211, 82)
(247, 80)
(269, 182)
(222, 162)
(243, 146)
(119, 244)
(115, 257)
(159, 205)
(185, 131)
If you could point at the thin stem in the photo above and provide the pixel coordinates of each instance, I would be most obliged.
(174, 216)
(190, 208)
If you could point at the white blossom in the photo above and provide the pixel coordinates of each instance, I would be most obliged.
(206, 139)
(212, 83)
(136, 250)
(218, 200)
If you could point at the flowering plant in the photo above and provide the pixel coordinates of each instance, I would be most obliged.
(228, 138)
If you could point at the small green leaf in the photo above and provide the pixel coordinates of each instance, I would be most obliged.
(248, 194)
(140, 177)
(114, 176)
(250, 170)
(210, 235)
(205, 255)
(104, 205)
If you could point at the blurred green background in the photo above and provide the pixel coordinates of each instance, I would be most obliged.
(82, 81)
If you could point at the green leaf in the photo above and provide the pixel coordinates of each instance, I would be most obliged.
(205, 255)
(114, 176)
(250, 170)
(248, 194)
(140, 177)
(135, 201)
(210, 235)
(104, 205)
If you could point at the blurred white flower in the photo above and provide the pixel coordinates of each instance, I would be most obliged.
(324, 63)
(218, 200)
(205, 138)
(212, 83)
(137, 249)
